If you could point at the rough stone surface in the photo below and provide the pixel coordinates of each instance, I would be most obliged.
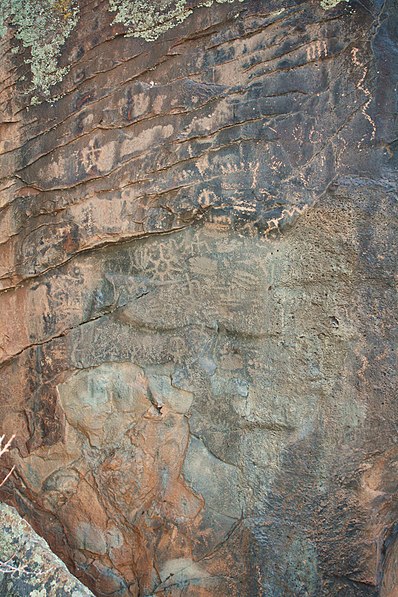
(28, 566)
(198, 301)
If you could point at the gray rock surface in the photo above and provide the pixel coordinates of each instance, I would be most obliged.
(198, 264)
(27, 565)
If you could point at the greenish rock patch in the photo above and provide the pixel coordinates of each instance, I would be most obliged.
(28, 566)
(42, 27)
(149, 20)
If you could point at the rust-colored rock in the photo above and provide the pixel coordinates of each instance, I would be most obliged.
(198, 311)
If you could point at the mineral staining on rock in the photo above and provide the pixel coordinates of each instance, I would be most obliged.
(242, 127)
(177, 414)
(197, 342)
(103, 403)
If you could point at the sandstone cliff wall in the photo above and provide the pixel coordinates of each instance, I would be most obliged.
(198, 303)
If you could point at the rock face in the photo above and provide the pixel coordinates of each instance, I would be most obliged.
(198, 335)
(27, 565)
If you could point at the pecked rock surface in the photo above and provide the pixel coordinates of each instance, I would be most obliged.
(198, 225)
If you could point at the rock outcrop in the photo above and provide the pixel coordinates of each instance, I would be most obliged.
(28, 566)
(198, 303)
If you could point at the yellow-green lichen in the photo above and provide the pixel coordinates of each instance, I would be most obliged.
(328, 4)
(42, 26)
(149, 20)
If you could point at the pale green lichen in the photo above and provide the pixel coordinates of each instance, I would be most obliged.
(148, 20)
(42, 26)
(328, 4)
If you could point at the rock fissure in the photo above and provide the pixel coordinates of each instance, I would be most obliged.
(197, 306)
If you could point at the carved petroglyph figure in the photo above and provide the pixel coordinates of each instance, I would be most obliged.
(196, 413)
(196, 292)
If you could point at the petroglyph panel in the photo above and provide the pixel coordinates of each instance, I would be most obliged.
(197, 301)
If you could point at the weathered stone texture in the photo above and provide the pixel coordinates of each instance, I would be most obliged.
(28, 566)
(198, 302)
